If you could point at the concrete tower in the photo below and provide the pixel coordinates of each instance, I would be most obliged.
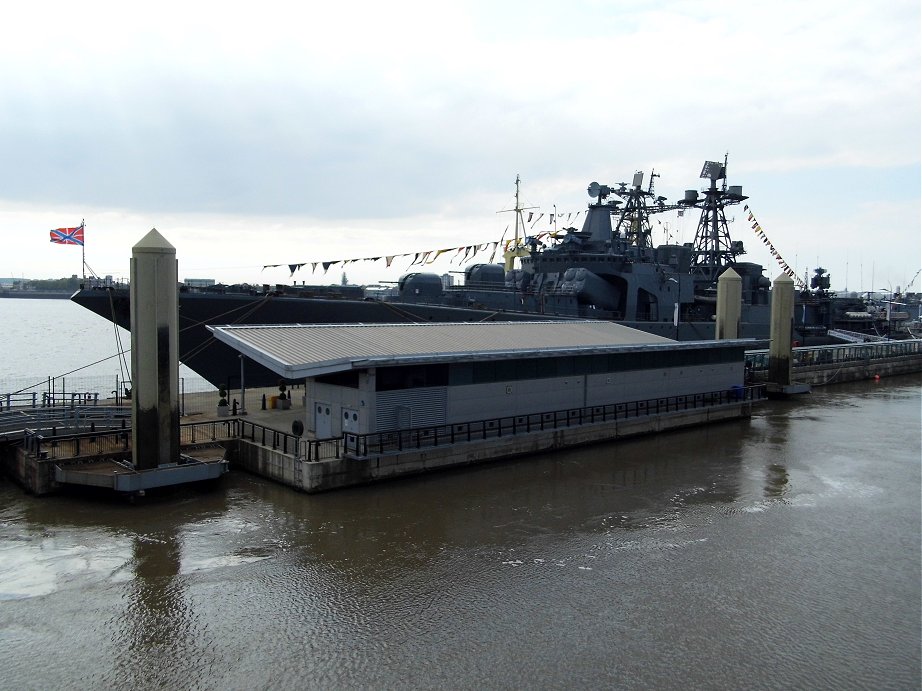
(154, 353)
(779, 352)
(729, 305)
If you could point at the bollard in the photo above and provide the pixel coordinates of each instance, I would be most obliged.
(264, 401)
(234, 408)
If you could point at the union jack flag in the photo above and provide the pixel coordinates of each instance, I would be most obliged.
(68, 236)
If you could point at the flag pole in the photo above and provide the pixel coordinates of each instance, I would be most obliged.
(83, 249)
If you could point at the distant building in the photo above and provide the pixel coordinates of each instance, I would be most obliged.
(199, 282)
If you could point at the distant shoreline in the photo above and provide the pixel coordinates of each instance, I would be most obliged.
(37, 294)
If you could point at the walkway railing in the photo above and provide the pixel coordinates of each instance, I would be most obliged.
(64, 420)
(437, 435)
(238, 428)
(305, 449)
(48, 443)
(807, 356)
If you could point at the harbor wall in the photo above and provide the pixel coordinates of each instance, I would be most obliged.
(35, 475)
(351, 470)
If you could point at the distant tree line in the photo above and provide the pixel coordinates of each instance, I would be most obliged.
(71, 284)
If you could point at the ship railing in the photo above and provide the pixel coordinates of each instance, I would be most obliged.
(849, 353)
(91, 282)
(439, 435)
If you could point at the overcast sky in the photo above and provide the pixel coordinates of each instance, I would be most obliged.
(281, 132)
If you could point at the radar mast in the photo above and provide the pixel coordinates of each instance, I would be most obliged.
(713, 248)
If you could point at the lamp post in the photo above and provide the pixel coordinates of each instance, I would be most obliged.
(243, 389)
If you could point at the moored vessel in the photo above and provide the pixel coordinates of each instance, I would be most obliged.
(608, 269)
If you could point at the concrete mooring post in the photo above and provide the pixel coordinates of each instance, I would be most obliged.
(154, 353)
(780, 352)
(729, 305)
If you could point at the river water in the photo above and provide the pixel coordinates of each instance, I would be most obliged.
(60, 341)
(777, 552)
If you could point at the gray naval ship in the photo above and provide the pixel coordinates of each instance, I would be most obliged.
(608, 269)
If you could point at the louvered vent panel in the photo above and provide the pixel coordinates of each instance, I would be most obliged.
(411, 408)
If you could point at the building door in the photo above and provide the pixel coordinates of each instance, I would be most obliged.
(323, 421)
(350, 420)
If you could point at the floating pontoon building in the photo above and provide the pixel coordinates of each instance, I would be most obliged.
(363, 379)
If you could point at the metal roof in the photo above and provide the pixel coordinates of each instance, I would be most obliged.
(296, 351)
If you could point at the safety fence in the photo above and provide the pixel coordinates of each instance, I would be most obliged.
(438, 435)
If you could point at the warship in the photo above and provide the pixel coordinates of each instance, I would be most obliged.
(608, 269)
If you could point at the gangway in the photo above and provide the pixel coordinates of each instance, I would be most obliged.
(855, 336)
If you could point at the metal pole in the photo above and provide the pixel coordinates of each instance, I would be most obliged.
(243, 389)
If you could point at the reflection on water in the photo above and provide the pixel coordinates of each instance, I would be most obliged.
(781, 551)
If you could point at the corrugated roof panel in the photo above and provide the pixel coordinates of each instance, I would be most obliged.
(300, 348)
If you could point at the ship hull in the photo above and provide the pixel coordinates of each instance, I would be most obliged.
(220, 364)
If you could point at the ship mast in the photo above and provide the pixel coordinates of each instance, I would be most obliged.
(517, 249)
(518, 212)
(713, 248)
(634, 218)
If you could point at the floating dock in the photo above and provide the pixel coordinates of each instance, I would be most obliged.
(263, 442)
(363, 459)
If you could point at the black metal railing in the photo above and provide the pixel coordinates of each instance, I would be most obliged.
(45, 444)
(437, 435)
(48, 443)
